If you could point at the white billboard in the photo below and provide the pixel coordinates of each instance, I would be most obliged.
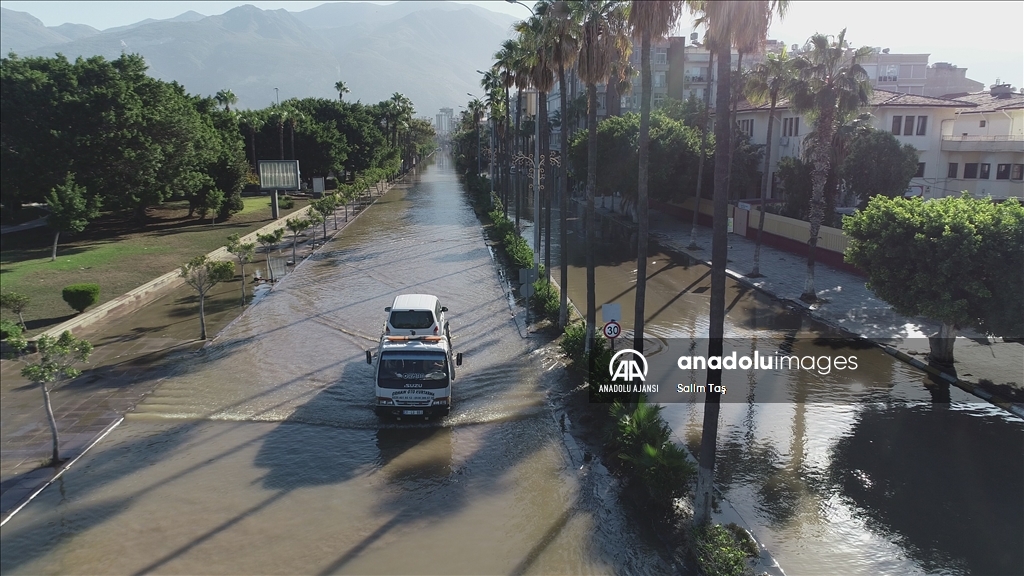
(279, 174)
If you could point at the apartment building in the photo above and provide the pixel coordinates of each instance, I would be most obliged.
(982, 134)
(983, 145)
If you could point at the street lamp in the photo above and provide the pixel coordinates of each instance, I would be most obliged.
(523, 5)
(278, 94)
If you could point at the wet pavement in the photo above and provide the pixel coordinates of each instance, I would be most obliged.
(261, 453)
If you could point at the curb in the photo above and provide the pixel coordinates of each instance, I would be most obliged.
(146, 293)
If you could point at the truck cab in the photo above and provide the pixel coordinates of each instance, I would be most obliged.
(413, 375)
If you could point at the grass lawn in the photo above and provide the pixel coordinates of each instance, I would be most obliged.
(116, 253)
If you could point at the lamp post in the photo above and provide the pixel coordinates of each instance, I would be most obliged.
(278, 95)
(523, 5)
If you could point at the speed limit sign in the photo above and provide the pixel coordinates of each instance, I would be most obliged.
(612, 330)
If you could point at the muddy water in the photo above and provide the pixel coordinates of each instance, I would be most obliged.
(262, 455)
(855, 473)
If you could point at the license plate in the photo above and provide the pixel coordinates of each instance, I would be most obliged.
(412, 412)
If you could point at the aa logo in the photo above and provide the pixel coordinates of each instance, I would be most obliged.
(627, 368)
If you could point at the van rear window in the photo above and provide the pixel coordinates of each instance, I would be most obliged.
(411, 319)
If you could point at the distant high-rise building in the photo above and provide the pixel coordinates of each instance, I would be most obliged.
(443, 125)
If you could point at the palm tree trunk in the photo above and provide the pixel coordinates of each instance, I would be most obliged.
(716, 328)
(642, 211)
(519, 111)
(563, 206)
(703, 155)
(756, 272)
(545, 169)
(280, 135)
(732, 119)
(56, 237)
(819, 175)
(588, 221)
(292, 126)
(252, 141)
(55, 455)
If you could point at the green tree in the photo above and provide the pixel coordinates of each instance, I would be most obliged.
(16, 303)
(831, 86)
(795, 180)
(54, 367)
(245, 252)
(341, 88)
(296, 226)
(269, 240)
(768, 81)
(70, 210)
(202, 274)
(316, 219)
(210, 204)
(956, 260)
(325, 207)
(227, 99)
(876, 163)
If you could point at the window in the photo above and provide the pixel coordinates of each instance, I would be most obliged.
(1017, 172)
(983, 172)
(791, 126)
(659, 79)
(659, 100)
(953, 168)
(888, 73)
(971, 170)
(897, 122)
(920, 170)
(981, 124)
(661, 55)
(1002, 172)
(922, 125)
(908, 126)
(747, 127)
(600, 101)
(624, 101)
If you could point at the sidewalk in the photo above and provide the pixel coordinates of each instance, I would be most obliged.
(130, 356)
(852, 307)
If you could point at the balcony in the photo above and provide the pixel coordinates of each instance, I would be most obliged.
(1011, 143)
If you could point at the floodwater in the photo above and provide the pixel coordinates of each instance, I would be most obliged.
(870, 471)
(261, 454)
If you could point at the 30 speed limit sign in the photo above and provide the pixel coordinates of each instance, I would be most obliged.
(612, 330)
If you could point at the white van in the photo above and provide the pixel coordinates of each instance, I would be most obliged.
(417, 315)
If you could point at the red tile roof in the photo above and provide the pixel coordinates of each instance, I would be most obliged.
(878, 98)
(986, 102)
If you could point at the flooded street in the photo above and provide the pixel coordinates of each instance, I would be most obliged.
(262, 454)
(863, 471)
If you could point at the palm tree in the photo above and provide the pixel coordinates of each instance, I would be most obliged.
(533, 36)
(505, 63)
(279, 116)
(476, 107)
(768, 81)
(705, 120)
(563, 32)
(341, 88)
(729, 23)
(226, 98)
(603, 37)
(494, 98)
(253, 122)
(832, 85)
(648, 20)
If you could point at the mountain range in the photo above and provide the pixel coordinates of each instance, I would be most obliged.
(429, 51)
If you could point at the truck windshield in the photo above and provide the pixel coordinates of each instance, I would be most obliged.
(424, 366)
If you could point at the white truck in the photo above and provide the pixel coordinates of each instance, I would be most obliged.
(414, 372)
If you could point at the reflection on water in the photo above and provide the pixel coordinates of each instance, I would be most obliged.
(874, 471)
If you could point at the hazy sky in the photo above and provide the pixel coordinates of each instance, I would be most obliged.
(984, 37)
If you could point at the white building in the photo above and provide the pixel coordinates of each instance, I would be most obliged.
(981, 134)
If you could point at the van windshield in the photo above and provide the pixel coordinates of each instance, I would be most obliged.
(411, 319)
